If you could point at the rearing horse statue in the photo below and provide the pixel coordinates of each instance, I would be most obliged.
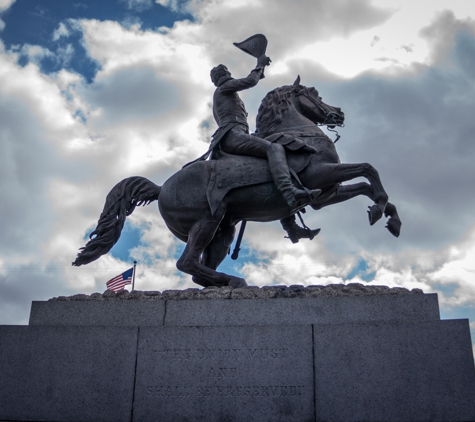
(202, 203)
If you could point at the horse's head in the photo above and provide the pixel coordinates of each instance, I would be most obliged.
(309, 103)
(305, 101)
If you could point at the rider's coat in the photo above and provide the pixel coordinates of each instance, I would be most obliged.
(228, 108)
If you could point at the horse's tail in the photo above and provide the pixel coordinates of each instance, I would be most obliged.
(120, 202)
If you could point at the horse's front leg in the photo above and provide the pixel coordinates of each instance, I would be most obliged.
(346, 192)
(328, 174)
(394, 222)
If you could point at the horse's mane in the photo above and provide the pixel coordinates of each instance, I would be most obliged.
(273, 108)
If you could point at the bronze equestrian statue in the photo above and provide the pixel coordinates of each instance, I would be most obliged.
(232, 135)
(202, 203)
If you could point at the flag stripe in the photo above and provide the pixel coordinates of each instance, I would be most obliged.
(115, 280)
(118, 286)
(119, 282)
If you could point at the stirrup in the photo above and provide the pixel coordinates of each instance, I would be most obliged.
(297, 197)
(295, 233)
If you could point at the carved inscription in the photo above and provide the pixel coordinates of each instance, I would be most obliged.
(225, 391)
(208, 353)
(219, 372)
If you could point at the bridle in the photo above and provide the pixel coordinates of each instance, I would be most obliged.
(329, 115)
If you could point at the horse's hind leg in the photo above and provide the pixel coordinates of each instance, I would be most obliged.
(199, 238)
(218, 248)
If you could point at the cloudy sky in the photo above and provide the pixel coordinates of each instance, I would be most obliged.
(94, 92)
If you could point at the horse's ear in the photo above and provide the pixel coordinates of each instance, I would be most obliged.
(297, 81)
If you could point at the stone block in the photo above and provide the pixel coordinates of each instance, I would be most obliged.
(222, 374)
(270, 354)
(110, 313)
(67, 373)
(318, 310)
(394, 371)
(218, 312)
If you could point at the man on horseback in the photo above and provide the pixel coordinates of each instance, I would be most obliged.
(201, 204)
(233, 136)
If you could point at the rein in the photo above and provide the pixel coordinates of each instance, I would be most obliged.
(264, 134)
(330, 126)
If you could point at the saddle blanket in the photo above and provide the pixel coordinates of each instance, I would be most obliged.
(234, 171)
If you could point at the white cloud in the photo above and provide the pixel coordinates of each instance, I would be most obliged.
(36, 131)
(281, 262)
(61, 31)
(4, 5)
(458, 272)
(35, 53)
(138, 4)
(65, 143)
(179, 5)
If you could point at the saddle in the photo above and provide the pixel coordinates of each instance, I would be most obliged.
(231, 171)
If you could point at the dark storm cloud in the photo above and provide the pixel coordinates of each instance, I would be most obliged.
(292, 23)
(132, 93)
(24, 284)
(414, 127)
(418, 130)
(440, 34)
(25, 160)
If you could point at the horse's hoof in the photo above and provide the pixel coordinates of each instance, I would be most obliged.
(237, 282)
(374, 214)
(394, 226)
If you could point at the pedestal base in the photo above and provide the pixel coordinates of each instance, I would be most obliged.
(352, 358)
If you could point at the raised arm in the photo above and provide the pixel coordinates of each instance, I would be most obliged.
(249, 81)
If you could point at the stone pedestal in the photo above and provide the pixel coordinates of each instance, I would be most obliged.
(273, 354)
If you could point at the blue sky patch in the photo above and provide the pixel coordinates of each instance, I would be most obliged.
(34, 22)
(129, 238)
(361, 270)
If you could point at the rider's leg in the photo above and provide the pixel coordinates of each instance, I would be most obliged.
(281, 176)
(296, 232)
(238, 141)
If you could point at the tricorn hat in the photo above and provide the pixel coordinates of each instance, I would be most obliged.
(255, 45)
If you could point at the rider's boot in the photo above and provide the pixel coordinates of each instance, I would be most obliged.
(296, 232)
(281, 176)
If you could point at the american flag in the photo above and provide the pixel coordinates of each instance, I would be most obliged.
(119, 282)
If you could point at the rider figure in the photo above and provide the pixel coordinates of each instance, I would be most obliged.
(233, 133)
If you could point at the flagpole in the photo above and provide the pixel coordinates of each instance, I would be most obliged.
(133, 276)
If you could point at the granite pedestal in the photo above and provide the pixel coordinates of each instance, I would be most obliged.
(283, 354)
